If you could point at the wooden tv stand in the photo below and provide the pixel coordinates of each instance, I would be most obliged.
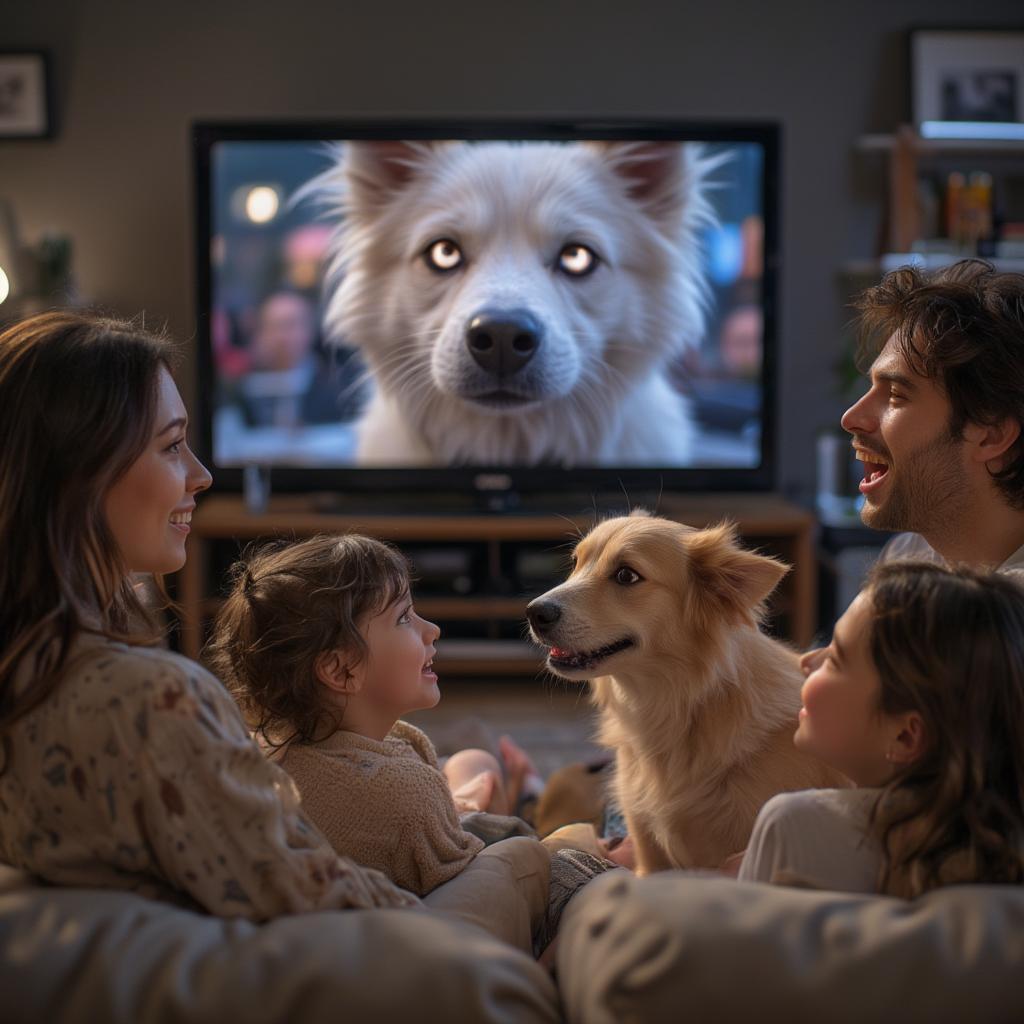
(221, 526)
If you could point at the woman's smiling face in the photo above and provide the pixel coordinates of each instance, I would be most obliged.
(148, 509)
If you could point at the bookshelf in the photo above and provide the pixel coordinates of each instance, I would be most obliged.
(911, 157)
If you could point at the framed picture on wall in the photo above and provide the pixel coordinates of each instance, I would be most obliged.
(967, 83)
(24, 95)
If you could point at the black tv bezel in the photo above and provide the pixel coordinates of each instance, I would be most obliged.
(519, 479)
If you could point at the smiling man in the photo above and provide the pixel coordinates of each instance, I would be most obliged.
(939, 430)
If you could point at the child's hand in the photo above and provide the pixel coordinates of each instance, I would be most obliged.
(476, 794)
(523, 785)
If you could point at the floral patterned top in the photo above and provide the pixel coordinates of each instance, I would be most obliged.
(138, 773)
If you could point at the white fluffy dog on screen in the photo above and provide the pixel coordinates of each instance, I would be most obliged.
(518, 303)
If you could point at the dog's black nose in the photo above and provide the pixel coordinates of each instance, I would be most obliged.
(503, 341)
(543, 614)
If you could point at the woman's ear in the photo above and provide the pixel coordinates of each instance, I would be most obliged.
(910, 741)
(332, 671)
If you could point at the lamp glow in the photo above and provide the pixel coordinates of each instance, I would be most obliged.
(261, 204)
(5, 286)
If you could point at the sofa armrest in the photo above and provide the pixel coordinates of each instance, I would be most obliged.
(673, 946)
(70, 955)
(503, 889)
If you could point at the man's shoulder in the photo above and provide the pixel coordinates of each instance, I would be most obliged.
(914, 546)
(909, 545)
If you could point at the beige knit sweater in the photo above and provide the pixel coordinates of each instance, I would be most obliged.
(385, 804)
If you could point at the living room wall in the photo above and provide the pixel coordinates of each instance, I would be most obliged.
(130, 77)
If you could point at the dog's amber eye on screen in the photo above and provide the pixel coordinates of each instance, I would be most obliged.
(443, 255)
(626, 576)
(577, 260)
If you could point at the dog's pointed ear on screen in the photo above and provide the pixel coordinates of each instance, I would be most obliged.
(376, 170)
(665, 178)
(362, 176)
(726, 577)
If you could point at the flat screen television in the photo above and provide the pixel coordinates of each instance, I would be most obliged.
(461, 306)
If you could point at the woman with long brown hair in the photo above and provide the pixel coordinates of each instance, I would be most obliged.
(122, 764)
(920, 701)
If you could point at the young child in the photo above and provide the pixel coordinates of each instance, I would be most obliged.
(920, 701)
(324, 652)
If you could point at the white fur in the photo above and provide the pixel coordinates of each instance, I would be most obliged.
(597, 380)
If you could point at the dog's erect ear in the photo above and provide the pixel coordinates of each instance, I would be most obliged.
(651, 169)
(729, 576)
(376, 170)
(363, 176)
(661, 176)
(668, 179)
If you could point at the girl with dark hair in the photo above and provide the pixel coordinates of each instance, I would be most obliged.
(321, 645)
(122, 764)
(920, 701)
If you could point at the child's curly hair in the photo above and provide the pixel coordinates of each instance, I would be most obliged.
(288, 603)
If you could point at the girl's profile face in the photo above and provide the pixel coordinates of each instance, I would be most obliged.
(149, 508)
(840, 721)
(398, 675)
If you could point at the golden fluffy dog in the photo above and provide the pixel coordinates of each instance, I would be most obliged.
(698, 704)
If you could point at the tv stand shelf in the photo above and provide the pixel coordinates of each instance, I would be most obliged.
(493, 611)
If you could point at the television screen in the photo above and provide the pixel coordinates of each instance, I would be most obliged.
(520, 298)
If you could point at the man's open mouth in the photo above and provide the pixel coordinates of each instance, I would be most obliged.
(875, 466)
(560, 658)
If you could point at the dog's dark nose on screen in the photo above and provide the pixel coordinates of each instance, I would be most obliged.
(543, 614)
(503, 341)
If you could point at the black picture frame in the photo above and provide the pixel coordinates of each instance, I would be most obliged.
(967, 81)
(26, 95)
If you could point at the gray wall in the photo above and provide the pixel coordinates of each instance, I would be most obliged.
(130, 77)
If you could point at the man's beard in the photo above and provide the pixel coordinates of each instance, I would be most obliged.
(929, 494)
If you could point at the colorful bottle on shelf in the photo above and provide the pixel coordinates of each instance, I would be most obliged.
(956, 186)
(979, 205)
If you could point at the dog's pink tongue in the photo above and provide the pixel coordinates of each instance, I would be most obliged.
(557, 652)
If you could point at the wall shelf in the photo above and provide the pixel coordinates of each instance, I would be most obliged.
(926, 261)
(909, 158)
(887, 143)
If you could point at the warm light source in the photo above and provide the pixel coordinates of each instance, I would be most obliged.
(261, 204)
(11, 281)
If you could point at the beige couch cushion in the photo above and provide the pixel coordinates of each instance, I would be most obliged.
(503, 889)
(70, 955)
(676, 947)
